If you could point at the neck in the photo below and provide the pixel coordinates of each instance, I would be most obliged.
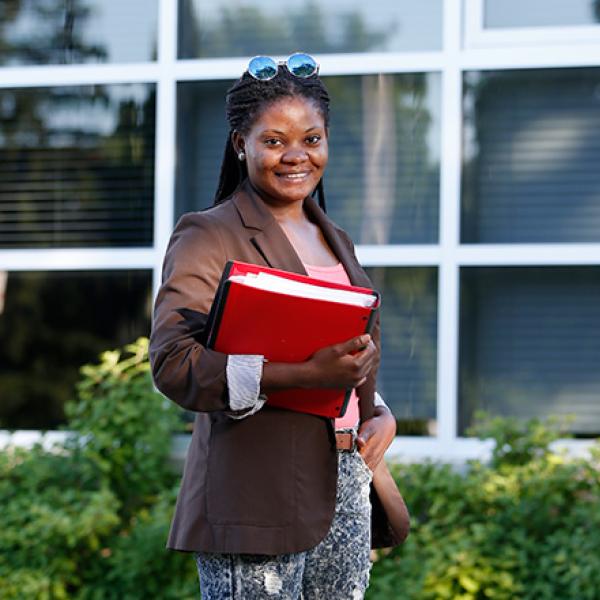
(290, 211)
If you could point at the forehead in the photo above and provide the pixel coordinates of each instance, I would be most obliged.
(290, 111)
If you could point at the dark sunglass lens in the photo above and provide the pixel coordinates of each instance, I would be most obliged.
(301, 65)
(262, 67)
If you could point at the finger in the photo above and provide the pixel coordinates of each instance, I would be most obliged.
(366, 354)
(363, 370)
(363, 437)
(355, 344)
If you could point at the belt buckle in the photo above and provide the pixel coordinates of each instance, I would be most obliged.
(345, 440)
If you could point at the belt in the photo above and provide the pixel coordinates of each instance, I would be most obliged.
(345, 441)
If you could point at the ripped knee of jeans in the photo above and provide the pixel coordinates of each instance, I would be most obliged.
(272, 582)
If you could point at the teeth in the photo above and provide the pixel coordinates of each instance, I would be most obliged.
(295, 175)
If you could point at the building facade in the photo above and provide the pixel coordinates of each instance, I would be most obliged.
(464, 153)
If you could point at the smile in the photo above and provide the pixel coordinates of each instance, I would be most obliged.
(293, 176)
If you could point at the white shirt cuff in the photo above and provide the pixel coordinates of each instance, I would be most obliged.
(244, 372)
(378, 401)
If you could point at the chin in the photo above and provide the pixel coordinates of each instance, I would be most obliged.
(296, 192)
(293, 196)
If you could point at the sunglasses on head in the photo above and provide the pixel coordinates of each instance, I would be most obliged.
(299, 64)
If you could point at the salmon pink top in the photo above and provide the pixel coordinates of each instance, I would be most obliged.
(337, 274)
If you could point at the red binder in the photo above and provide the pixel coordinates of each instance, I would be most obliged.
(286, 328)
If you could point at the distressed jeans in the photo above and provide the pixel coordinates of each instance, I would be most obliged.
(336, 568)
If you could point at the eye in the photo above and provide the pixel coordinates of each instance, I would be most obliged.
(313, 140)
(271, 142)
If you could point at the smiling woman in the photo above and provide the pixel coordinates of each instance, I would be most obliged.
(269, 495)
(285, 160)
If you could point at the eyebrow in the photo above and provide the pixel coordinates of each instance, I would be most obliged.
(283, 133)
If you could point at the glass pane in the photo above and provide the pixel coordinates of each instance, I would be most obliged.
(529, 343)
(51, 323)
(408, 370)
(382, 181)
(540, 13)
(78, 31)
(77, 166)
(232, 28)
(530, 156)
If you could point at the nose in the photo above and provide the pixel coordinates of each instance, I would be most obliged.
(294, 156)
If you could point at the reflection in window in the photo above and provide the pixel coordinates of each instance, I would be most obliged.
(407, 374)
(540, 13)
(531, 156)
(77, 166)
(54, 322)
(529, 344)
(382, 181)
(78, 31)
(228, 28)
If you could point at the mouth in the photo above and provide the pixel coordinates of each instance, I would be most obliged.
(295, 177)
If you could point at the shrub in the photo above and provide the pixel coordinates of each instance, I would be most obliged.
(50, 523)
(74, 519)
(123, 426)
(522, 528)
(89, 520)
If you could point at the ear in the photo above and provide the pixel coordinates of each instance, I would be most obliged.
(239, 144)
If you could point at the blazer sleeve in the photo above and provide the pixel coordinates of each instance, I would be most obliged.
(182, 368)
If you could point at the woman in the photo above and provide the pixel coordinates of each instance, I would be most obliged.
(274, 503)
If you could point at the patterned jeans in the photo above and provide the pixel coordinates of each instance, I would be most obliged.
(336, 568)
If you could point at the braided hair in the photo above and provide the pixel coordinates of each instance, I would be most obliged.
(244, 102)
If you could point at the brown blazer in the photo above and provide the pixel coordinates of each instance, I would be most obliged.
(265, 484)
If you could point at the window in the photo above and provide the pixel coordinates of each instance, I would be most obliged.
(51, 323)
(529, 343)
(226, 28)
(79, 31)
(540, 13)
(408, 370)
(382, 181)
(77, 166)
(531, 155)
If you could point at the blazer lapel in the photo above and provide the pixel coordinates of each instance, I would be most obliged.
(272, 243)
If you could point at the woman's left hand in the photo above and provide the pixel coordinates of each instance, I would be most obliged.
(375, 435)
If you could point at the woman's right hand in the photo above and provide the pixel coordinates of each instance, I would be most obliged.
(344, 365)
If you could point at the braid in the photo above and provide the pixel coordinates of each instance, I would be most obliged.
(320, 192)
(245, 100)
(233, 171)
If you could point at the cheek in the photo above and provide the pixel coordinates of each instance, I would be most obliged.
(322, 156)
(261, 161)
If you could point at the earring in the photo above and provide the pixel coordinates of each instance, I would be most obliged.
(241, 156)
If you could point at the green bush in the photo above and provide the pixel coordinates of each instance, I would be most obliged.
(51, 523)
(524, 527)
(123, 426)
(89, 520)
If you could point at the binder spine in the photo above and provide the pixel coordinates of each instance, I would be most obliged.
(218, 305)
(373, 314)
(344, 406)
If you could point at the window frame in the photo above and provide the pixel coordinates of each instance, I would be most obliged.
(479, 36)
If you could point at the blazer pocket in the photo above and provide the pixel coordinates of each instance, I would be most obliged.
(250, 470)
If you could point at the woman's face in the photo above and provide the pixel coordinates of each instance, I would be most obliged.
(286, 150)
